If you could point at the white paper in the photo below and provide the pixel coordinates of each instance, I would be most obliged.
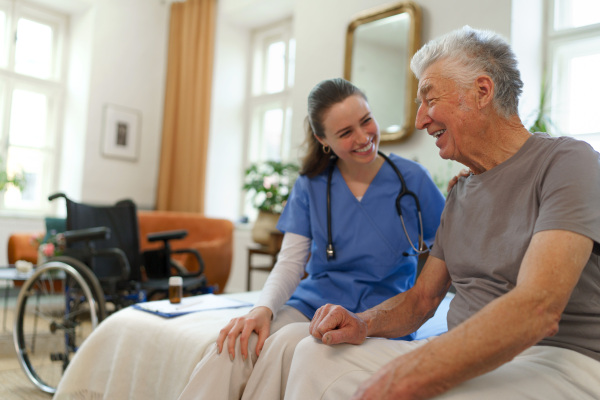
(192, 304)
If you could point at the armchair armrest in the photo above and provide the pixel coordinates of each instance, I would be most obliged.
(167, 235)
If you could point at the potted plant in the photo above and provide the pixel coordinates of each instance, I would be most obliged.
(17, 180)
(269, 185)
(542, 122)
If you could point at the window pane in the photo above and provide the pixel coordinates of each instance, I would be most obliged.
(272, 129)
(576, 13)
(28, 119)
(576, 86)
(584, 85)
(33, 53)
(3, 40)
(275, 68)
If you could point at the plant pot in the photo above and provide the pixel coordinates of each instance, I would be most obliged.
(266, 223)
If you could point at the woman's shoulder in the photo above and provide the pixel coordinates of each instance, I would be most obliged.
(303, 182)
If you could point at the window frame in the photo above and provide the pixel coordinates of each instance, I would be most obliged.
(259, 100)
(53, 88)
(557, 40)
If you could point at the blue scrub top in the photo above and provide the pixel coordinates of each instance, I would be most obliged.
(369, 265)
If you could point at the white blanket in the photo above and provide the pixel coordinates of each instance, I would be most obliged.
(134, 354)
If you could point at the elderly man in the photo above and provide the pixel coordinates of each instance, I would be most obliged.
(519, 240)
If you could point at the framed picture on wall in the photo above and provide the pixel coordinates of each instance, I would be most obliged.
(121, 132)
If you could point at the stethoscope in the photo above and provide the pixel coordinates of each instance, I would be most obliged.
(403, 192)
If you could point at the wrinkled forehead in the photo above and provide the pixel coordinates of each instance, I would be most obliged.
(434, 77)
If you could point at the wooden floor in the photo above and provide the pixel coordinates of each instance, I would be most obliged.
(14, 384)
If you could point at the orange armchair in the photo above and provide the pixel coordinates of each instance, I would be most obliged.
(212, 237)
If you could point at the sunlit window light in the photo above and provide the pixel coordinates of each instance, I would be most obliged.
(24, 130)
(275, 71)
(576, 13)
(33, 54)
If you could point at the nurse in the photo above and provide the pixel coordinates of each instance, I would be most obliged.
(374, 259)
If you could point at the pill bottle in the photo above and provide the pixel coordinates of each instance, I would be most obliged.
(175, 289)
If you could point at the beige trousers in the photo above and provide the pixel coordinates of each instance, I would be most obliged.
(539, 373)
(217, 377)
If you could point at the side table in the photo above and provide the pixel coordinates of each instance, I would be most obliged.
(271, 250)
(10, 273)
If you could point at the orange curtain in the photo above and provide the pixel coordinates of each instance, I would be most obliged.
(182, 174)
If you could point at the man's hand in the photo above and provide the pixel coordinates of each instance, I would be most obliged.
(257, 320)
(334, 324)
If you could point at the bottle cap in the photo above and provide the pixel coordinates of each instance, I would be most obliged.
(175, 281)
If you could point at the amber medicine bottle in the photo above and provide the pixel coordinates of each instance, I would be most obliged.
(175, 289)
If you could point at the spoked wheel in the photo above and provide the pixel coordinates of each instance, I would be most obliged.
(57, 308)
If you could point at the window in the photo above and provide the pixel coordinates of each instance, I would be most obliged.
(31, 44)
(573, 56)
(270, 109)
(273, 52)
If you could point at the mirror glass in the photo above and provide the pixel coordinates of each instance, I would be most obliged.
(379, 46)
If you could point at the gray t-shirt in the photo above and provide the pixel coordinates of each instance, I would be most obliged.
(489, 220)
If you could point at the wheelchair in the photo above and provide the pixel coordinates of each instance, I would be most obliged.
(100, 272)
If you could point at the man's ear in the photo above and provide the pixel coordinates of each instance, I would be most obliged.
(485, 91)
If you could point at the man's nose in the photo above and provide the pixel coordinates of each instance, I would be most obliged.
(423, 118)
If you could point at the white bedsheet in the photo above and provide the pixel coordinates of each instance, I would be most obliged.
(138, 355)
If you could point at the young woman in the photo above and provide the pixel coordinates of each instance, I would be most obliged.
(345, 225)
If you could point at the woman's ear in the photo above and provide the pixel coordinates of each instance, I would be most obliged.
(320, 140)
(485, 91)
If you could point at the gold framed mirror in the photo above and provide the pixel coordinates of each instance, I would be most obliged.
(380, 43)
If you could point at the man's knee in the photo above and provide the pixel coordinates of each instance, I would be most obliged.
(289, 335)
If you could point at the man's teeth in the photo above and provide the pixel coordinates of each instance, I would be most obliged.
(367, 147)
(438, 133)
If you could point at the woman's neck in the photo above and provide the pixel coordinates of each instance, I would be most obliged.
(358, 177)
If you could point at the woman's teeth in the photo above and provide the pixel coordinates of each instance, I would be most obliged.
(366, 148)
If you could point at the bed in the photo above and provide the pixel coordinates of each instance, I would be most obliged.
(139, 355)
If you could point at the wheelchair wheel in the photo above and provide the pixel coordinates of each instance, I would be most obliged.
(57, 308)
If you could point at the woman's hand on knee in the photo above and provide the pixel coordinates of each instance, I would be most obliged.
(257, 320)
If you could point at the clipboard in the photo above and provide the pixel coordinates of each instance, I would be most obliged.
(192, 304)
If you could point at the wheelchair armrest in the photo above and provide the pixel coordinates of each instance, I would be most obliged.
(119, 255)
(88, 234)
(167, 235)
(196, 255)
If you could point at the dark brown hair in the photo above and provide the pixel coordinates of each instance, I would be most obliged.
(320, 99)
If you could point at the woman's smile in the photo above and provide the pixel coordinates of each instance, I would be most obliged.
(368, 148)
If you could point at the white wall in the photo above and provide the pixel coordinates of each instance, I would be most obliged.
(128, 69)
